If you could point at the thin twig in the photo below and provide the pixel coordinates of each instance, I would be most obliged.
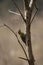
(24, 59)
(9, 28)
(19, 10)
(33, 17)
(36, 7)
(18, 41)
(34, 14)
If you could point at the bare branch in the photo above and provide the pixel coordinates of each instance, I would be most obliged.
(26, 4)
(14, 12)
(28, 32)
(33, 17)
(18, 41)
(36, 7)
(34, 14)
(30, 4)
(10, 29)
(24, 59)
(19, 11)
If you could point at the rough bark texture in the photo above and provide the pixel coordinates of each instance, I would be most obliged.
(28, 33)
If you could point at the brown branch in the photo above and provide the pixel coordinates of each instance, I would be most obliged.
(36, 7)
(18, 41)
(26, 4)
(10, 29)
(33, 17)
(34, 14)
(19, 10)
(28, 32)
(24, 59)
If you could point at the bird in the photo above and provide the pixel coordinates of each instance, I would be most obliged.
(23, 36)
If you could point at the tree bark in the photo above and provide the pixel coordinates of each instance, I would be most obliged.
(28, 32)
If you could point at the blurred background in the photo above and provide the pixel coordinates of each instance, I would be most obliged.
(10, 50)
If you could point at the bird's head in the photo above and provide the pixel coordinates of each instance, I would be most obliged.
(19, 32)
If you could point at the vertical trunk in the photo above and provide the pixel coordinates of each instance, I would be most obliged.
(28, 33)
(28, 38)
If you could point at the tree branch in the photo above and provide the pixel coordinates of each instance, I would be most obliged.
(18, 41)
(19, 11)
(26, 4)
(24, 59)
(34, 14)
(28, 32)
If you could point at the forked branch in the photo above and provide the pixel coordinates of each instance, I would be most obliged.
(34, 14)
(24, 59)
(19, 10)
(18, 41)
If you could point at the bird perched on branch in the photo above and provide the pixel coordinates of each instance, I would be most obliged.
(23, 36)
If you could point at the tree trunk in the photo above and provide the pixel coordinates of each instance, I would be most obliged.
(28, 33)
(28, 39)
